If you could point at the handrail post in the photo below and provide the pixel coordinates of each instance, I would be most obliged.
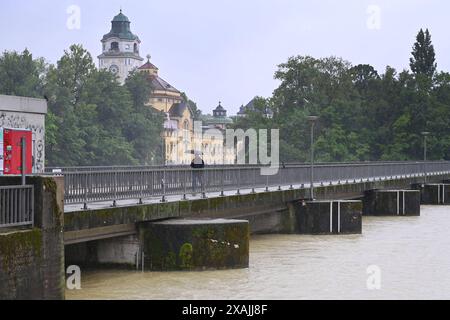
(239, 182)
(141, 199)
(254, 180)
(222, 193)
(184, 184)
(85, 206)
(164, 186)
(115, 189)
(203, 178)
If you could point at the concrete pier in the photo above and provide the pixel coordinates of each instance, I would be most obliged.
(195, 244)
(391, 203)
(434, 194)
(32, 259)
(329, 217)
(119, 252)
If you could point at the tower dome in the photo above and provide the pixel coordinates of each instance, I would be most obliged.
(220, 112)
(120, 28)
(120, 48)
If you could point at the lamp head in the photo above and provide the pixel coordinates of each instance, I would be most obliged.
(312, 118)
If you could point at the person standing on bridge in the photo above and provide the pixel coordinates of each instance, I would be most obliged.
(197, 166)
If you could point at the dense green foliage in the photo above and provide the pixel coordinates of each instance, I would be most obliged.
(92, 119)
(363, 115)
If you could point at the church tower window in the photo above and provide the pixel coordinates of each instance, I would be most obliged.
(114, 46)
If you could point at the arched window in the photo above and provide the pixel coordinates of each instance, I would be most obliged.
(114, 46)
(136, 50)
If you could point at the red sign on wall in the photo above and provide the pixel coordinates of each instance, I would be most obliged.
(12, 151)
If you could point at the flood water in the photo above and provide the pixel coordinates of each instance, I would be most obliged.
(412, 253)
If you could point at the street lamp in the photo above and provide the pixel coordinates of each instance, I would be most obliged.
(312, 120)
(425, 134)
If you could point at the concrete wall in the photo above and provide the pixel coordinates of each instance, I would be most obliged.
(32, 260)
(26, 113)
(392, 203)
(195, 244)
(329, 217)
(119, 251)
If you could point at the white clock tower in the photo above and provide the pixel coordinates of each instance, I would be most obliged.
(120, 49)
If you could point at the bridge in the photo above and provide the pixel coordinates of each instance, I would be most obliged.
(108, 202)
(114, 215)
(102, 187)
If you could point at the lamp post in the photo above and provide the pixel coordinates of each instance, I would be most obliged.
(425, 134)
(312, 120)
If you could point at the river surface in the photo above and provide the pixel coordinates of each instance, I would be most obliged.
(411, 255)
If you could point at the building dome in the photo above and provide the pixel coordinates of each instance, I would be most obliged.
(220, 111)
(121, 28)
(120, 18)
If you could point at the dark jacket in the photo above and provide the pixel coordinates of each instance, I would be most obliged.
(195, 165)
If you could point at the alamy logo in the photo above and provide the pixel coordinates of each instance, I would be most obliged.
(74, 19)
(73, 281)
(251, 147)
(374, 279)
(374, 19)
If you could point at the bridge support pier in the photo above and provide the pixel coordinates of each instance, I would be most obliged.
(121, 252)
(391, 203)
(434, 194)
(32, 258)
(195, 244)
(329, 217)
(168, 246)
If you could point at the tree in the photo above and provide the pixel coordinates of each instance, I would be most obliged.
(65, 83)
(144, 125)
(21, 75)
(423, 61)
(363, 76)
(197, 112)
(94, 120)
(364, 115)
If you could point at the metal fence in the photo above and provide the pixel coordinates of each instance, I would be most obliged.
(16, 206)
(62, 170)
(112, 185)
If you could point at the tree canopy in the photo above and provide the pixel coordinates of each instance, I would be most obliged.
(364, 115)
(92, 119)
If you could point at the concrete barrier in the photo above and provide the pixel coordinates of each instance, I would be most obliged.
(434, 194)
(329, 217)
(391, 203)
(32, 260)
(195, 244)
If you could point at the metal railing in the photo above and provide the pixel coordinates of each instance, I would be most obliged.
(113, 185)
(16, 206)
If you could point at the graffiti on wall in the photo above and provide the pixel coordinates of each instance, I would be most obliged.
(22, 121)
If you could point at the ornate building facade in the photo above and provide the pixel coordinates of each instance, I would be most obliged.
(214, 133)
(120, 55)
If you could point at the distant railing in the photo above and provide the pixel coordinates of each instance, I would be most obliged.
(51, 170)
(16, 206)
(104, 184)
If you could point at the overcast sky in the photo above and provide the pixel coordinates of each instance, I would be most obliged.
(228, 50)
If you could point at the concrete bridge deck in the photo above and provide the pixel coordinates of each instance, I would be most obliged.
(267, 211)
